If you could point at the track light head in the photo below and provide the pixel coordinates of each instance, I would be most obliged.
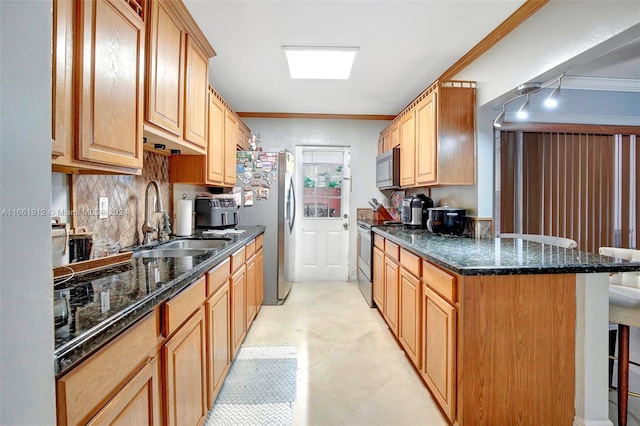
(523, 112)
(552, 100)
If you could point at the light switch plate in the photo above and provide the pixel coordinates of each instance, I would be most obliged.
(103, 208)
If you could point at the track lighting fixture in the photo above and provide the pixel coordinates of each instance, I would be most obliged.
(526, 90)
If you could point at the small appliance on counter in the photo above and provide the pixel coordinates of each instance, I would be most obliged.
(446, 220)
(216, 212)
(415, 210)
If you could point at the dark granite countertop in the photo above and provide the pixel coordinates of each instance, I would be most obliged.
(106, 302)
(500, 256)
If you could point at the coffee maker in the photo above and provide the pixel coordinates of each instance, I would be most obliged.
(414, 211)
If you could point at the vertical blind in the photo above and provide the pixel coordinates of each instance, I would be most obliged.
(577, 185)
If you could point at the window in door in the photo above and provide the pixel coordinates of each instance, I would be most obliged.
(322, 174)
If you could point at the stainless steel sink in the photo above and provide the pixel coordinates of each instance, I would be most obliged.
(195, 244)
(171, 252)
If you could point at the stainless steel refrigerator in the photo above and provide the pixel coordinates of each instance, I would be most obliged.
(265, 190)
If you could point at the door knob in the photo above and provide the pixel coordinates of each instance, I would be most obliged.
(345, 225)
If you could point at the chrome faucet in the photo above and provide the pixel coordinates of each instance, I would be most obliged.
(147, 228)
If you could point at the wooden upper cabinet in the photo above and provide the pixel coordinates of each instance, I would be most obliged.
(110, 67)
(196, 89)
(62, 78)
(177, 79)
(231, 139)
(394, 135)
(407, 149)
(167, 39)
(426, 142)
(216, 151)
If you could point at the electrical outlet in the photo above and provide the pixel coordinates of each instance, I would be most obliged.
(103, 208)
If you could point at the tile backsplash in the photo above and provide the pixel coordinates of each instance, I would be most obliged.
(126, 200)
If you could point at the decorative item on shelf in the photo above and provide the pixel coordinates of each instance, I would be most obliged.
(255, 144)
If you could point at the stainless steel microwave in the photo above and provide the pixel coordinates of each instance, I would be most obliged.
(388, 169)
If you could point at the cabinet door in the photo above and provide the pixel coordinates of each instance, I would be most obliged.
(231, 139)
(378, 278)
(216, 149)
(407, 150)
(426, 140)
(165, 77)
(391, 294)
(259, 279)
(185, 373)
(238, 308)
(439, 350)
(409, 323)
(394, 134)
(110, 77)
(196, 85)
(251, 290)
(218, 339)
(137, 403)
(61, 84)
(242, 137)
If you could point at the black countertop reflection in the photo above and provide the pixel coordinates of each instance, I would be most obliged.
(500, 256)
(104, 303)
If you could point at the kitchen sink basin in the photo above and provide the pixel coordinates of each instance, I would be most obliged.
(171, 252)
(195, 244)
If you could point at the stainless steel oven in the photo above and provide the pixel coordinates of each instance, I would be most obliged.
(365, 264)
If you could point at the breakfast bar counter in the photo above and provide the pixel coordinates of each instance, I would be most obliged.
(502, 331)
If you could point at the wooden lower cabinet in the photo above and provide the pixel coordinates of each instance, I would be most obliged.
(259, 279)
(185, 374)
(439, 350)
(391, 280)
(378, 278)
(238, 309)
(409, 324)
(137, 403)
(219, 340)
(251, 289)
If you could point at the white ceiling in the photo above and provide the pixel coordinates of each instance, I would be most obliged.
(404, 47)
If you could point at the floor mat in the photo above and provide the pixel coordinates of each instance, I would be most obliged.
(260, 388)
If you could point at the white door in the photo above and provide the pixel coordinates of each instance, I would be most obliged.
(322, 225)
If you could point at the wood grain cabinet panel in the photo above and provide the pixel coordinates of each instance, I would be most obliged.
(439, 350)
(238, 309)
(259, 279)
(391, 281)
(409, 322)
(110, 82)
(394, 134)
(218, 338)
(378, 278)
(165, 81)
(251, 296)
(407, 150)
(182, 306)
(185, 373)
(216, 151)
(426, 140)
(196, 89)
(231, 139)
(137, 403)
(62, 78)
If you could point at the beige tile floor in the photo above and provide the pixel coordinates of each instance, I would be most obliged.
(351, 371)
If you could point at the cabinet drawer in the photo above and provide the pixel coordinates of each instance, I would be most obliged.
(392, 250)
(410, 262)
(85, 389)
(259, 241)
(180, 308)
(440, 281)
(251, 249)
(237, 259)
(217, 276)
(378, 241)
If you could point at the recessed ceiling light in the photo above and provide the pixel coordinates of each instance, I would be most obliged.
(320, 63)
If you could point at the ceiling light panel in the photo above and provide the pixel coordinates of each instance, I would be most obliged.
(320, 63)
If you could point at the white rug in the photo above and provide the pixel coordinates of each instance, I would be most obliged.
(260, 388)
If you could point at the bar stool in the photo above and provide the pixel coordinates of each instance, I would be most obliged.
(624, 310)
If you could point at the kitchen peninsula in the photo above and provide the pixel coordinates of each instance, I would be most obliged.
(502, 331)
(153, 338)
